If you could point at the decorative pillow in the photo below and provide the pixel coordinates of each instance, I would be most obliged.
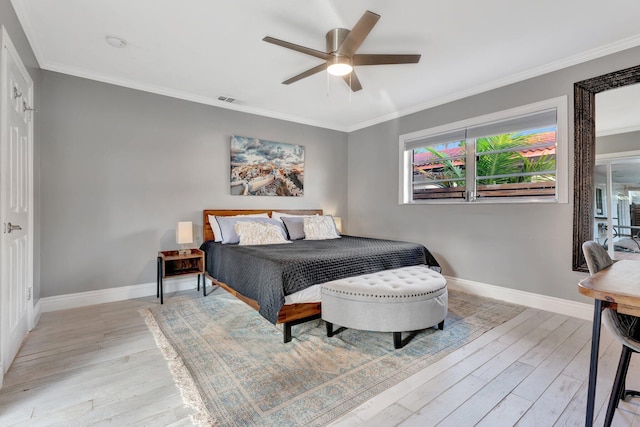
(320, 228)
(258, 233)
(227, 226)
(294, 226)
(216, 228)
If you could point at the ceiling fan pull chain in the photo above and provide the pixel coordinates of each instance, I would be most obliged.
(328, 88)
(351, 91)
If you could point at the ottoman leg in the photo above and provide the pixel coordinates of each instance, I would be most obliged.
(397, 340)
(441, 325)
(329, 329)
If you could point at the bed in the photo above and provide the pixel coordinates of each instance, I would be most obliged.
(283, 272)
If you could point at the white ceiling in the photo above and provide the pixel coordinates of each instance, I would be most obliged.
(201, 49)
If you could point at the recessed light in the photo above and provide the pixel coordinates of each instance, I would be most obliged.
(115, 41)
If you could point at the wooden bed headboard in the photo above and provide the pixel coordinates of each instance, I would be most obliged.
(207, 231)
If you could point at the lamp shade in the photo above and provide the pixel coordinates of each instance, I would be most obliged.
(338, 221)
(184, 233)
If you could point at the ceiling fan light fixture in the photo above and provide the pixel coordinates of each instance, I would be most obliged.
(341, 54)
(339, 66)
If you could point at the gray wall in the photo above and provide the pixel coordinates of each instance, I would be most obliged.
(121, 167)
(9, 20)
(618, 143)
(520, 246)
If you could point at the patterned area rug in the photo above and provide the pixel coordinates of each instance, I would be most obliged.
(233, 368)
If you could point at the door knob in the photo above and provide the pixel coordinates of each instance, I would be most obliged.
(11, 227)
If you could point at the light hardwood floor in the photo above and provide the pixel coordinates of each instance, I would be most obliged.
(99, 365)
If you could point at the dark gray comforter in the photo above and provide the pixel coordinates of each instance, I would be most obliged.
(268, 273)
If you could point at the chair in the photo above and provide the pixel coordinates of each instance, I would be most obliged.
(622, 326)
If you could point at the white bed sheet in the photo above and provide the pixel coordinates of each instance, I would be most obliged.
(310, 294)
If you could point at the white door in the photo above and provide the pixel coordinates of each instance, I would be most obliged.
(16, 201)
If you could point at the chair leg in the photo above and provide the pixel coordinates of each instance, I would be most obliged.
(621, 390)
(630, 393)
(618, 384)
(624, 393)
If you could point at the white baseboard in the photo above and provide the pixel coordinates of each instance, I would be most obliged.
(81, 299)
(529, 299)
(37, 312)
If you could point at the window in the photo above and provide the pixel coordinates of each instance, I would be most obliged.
(517, 155)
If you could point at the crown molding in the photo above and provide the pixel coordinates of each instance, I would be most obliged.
(158, 90)
(589, 55)
(609, 49)
(617, 131)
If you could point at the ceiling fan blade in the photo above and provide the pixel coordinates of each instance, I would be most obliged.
(298, 48)
(307, 73)
(359, 32)
(353, 81)
(379, 59)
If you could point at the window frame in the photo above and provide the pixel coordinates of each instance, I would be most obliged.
(562, 155)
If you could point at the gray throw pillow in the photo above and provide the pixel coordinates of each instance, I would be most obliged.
(294, 226)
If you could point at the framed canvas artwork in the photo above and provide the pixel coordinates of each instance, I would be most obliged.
(266, 168)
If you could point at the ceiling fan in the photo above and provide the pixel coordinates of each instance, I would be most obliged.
(341, 56)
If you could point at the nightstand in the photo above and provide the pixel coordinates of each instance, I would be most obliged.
(172, 265)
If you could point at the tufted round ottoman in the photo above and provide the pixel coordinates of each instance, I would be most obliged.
(399, 300)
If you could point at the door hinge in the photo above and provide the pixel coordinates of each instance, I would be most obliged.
(28, 110)
(29, 293)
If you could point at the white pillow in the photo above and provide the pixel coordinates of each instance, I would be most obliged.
(217, 234)
(259, 233)
(279, 215)
(227, 227)
(320, 228)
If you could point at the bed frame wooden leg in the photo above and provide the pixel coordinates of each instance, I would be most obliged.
(286, 329)
(286, 326)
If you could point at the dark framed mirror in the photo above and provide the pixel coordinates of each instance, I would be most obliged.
(584, 156)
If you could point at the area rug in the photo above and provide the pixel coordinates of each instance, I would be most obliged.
(232, 367)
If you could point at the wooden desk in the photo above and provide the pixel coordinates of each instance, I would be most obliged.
(618, 288)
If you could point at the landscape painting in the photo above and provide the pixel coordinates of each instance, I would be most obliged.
(266, 168)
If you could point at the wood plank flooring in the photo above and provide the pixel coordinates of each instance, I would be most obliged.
(99, 365)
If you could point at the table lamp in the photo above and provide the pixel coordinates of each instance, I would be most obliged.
(184, 236)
